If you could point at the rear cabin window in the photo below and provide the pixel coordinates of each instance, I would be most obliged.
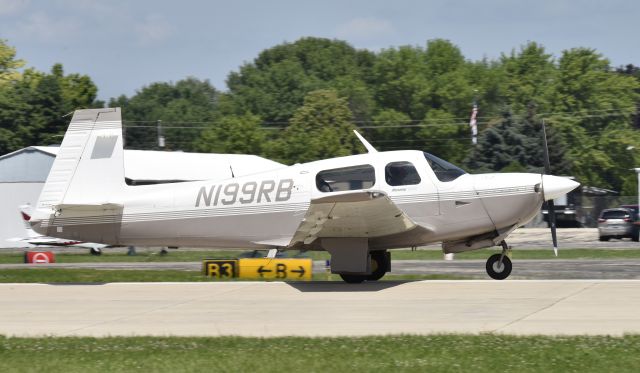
(401, 173)
(615, 214)
(346, 178)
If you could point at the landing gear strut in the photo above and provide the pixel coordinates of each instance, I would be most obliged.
(380, 264)
(499, 265)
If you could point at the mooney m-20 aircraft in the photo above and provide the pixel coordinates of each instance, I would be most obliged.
(355, 207)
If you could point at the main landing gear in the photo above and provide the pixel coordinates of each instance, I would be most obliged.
(499, 265)
(380, 264)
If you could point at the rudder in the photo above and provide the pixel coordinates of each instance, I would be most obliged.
(89, 167)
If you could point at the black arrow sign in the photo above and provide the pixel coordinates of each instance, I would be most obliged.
(301, 271)
(261, 271)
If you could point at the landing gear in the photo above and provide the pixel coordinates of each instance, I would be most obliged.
(353, 279)
(499, 265)
(95, 251)
(380, 264)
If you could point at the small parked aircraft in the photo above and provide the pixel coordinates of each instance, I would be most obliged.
(355, 207)
(37, 239)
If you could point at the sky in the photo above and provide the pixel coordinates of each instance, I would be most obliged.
(125, 45)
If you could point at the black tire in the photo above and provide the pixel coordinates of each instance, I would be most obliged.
(604, 238)
(353, 279)
(636, 236)
(379, 265)
(494, 271)
(95, 251)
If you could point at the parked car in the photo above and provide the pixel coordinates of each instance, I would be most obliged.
(618, 223)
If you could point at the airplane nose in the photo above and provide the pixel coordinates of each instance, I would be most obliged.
(555, 186)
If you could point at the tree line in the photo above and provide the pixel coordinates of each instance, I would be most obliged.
(300, 101)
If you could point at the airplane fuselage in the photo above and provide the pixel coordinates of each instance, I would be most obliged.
(264, 210)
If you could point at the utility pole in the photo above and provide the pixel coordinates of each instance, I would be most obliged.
(160, 135)
(638, 172)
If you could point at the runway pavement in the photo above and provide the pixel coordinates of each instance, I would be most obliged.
(559, 307)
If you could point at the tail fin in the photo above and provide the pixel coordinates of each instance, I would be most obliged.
(89, 167)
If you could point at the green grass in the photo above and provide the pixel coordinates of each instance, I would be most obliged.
(437, 353)
(64, 275)
(73, 275)
(521, 254)
(119, 256)
(195, 256)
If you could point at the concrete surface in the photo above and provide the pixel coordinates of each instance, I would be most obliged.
(321, 309)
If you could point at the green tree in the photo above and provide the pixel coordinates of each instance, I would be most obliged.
(392, 130)
(528, 78)
(233, 135)
(275, 84)
(183, 109)
(442, 136)
(587, 87)
(33, 107)
(320, 129)
(9, 65)
(399, 75)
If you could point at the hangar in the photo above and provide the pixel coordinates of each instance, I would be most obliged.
(23, 173)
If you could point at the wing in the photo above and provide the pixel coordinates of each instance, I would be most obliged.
(352, 214)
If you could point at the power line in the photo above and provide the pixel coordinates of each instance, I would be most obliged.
(373, 127)
(455, 120)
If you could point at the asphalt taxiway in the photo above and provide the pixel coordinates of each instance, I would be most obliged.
(556, 307)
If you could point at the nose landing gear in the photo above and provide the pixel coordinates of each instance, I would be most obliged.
(499, 265)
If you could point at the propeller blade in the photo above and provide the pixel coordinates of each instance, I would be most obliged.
(551, 212)
(551, 208)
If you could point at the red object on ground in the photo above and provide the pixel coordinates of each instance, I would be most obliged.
(39, 257)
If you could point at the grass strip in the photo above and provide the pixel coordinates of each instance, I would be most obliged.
(435, 353)
(92, 276)
(195, 256)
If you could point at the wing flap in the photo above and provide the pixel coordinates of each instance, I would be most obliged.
(352, 214)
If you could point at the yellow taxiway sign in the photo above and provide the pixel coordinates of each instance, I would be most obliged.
(276, 269)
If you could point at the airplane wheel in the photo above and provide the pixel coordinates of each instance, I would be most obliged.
(353, 279)
(379, 264)
(95, 251)
(497, 271)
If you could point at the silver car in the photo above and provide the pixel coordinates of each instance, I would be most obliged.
(617, 223)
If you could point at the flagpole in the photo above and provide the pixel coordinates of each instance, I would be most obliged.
(473, 122)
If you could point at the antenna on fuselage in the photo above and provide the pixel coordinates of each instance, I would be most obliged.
(364, 142)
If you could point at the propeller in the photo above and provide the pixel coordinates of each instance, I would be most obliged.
(551, 212)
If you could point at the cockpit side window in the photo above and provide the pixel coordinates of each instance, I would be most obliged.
(401, 173)
(346, 178)
(444, 170)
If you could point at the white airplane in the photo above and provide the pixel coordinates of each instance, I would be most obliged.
(355, 207)
(37, 239)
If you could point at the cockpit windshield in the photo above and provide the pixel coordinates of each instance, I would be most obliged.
(444, 170)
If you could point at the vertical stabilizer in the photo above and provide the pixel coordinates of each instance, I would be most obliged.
(89, 168)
